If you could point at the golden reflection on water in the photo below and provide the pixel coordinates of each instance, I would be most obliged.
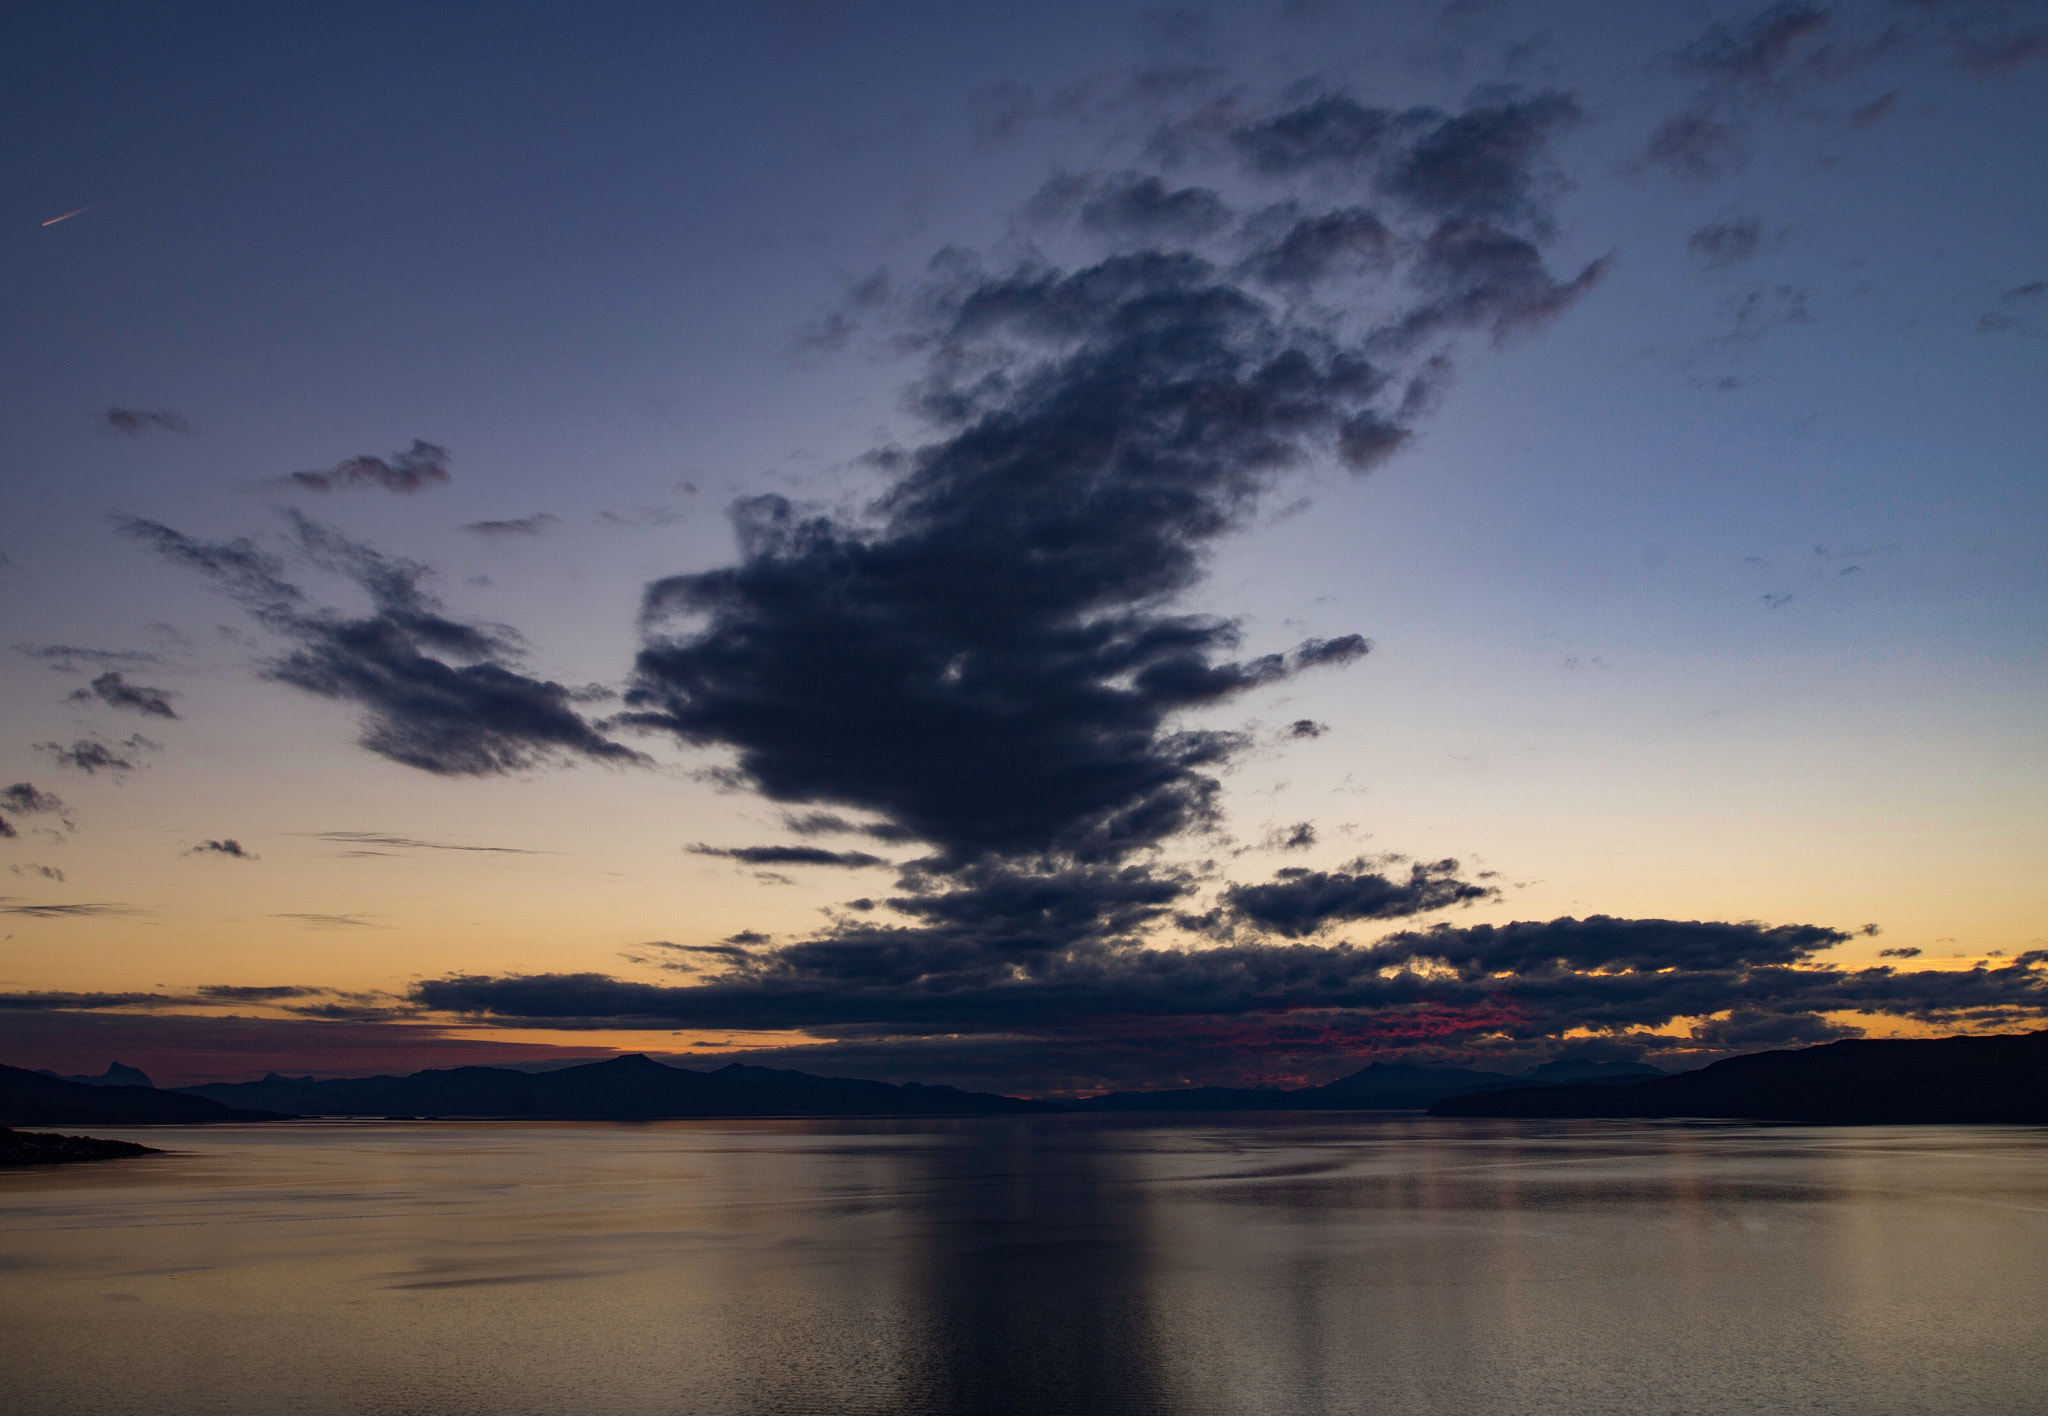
(1273, 1264)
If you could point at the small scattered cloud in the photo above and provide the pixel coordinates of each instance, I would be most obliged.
(1720, 244)
(330, 921)
(420, 466)
(40, 872)
(114, 690)
(1306, 728)
(1875, 110)
(93, 756)
(77, 911)
(788, 855)
(532, 525)
(407, 843)
(229, 847)
(1776, 602)
(71, 659)
(1907, 951)
(134, 422)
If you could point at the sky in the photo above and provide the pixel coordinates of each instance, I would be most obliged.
(1048, 548)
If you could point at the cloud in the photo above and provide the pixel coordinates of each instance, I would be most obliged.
(1306, 728)
(1906, 952)
(439, 694)
(43, 872)
(42, 1001)
(1527, 984)
(788, 855)
(1693, 146)
(137, 421)
(1299, 902)
(66, 658)
(420, 466)
(407, 843)
(525, 526)
(78, 911)
(245, 993)
(115, 691)
(330, 921)
(1755, 54)
(30, 800)
(92, 756)
(229, 847)
(1726, 243)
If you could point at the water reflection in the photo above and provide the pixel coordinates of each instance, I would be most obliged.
(1044, 1265)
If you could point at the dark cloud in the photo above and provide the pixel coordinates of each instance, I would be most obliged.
(1726, 243)
(1131, 204)
(524, 526)
(330, 921)
(830, 823)
(1331, 132)
(1104, 1005)
(247, 993)
(230, 847)
(406, 843)
(420, 466)
(1755, 53)
(137, 421)
(1751, 1029)
(1481, 164)
(788, 855)
(92, 756)
(440, 694)
(1300, 902)
(112, 689)
(78, 911)
(66, 658)
(1906, 952)
(30, 800)
(1693, 146)
(1306, 728)
(46, 1002)
(41, 872)
(1313, 249)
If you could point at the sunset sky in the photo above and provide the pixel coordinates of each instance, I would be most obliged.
(1044, 547)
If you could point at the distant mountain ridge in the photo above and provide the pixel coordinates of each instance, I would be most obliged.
(1865, 1082)
(628, 1088)
(34, 1099)
(1383, 1086)
(117, 1075)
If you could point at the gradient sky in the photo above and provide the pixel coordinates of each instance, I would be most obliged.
(1692, 508)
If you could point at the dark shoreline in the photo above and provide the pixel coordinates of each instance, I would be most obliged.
(25, 1148)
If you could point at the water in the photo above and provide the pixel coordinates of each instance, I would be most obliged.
(1269, 1264)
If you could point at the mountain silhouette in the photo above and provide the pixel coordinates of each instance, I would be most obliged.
(117, 1075)
(33, 1099)
(1893, 1081)
(18, 1148)
(630, 1088)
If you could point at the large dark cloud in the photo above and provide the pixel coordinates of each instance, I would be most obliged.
(1479, 987)
(991, 659)
(439, 694)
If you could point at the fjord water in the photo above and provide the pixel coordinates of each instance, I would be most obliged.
(1236, 1264)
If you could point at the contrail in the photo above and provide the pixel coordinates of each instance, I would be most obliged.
(68, 215)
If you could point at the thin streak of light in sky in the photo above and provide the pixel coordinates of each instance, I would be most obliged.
(68, 215)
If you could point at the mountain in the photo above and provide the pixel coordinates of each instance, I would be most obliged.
(1383, 1086)
(1950, 1080)
(116, 1075)
(32, 1099)
(634, 1087)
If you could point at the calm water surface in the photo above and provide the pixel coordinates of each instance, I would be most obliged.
(1282, 1264)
